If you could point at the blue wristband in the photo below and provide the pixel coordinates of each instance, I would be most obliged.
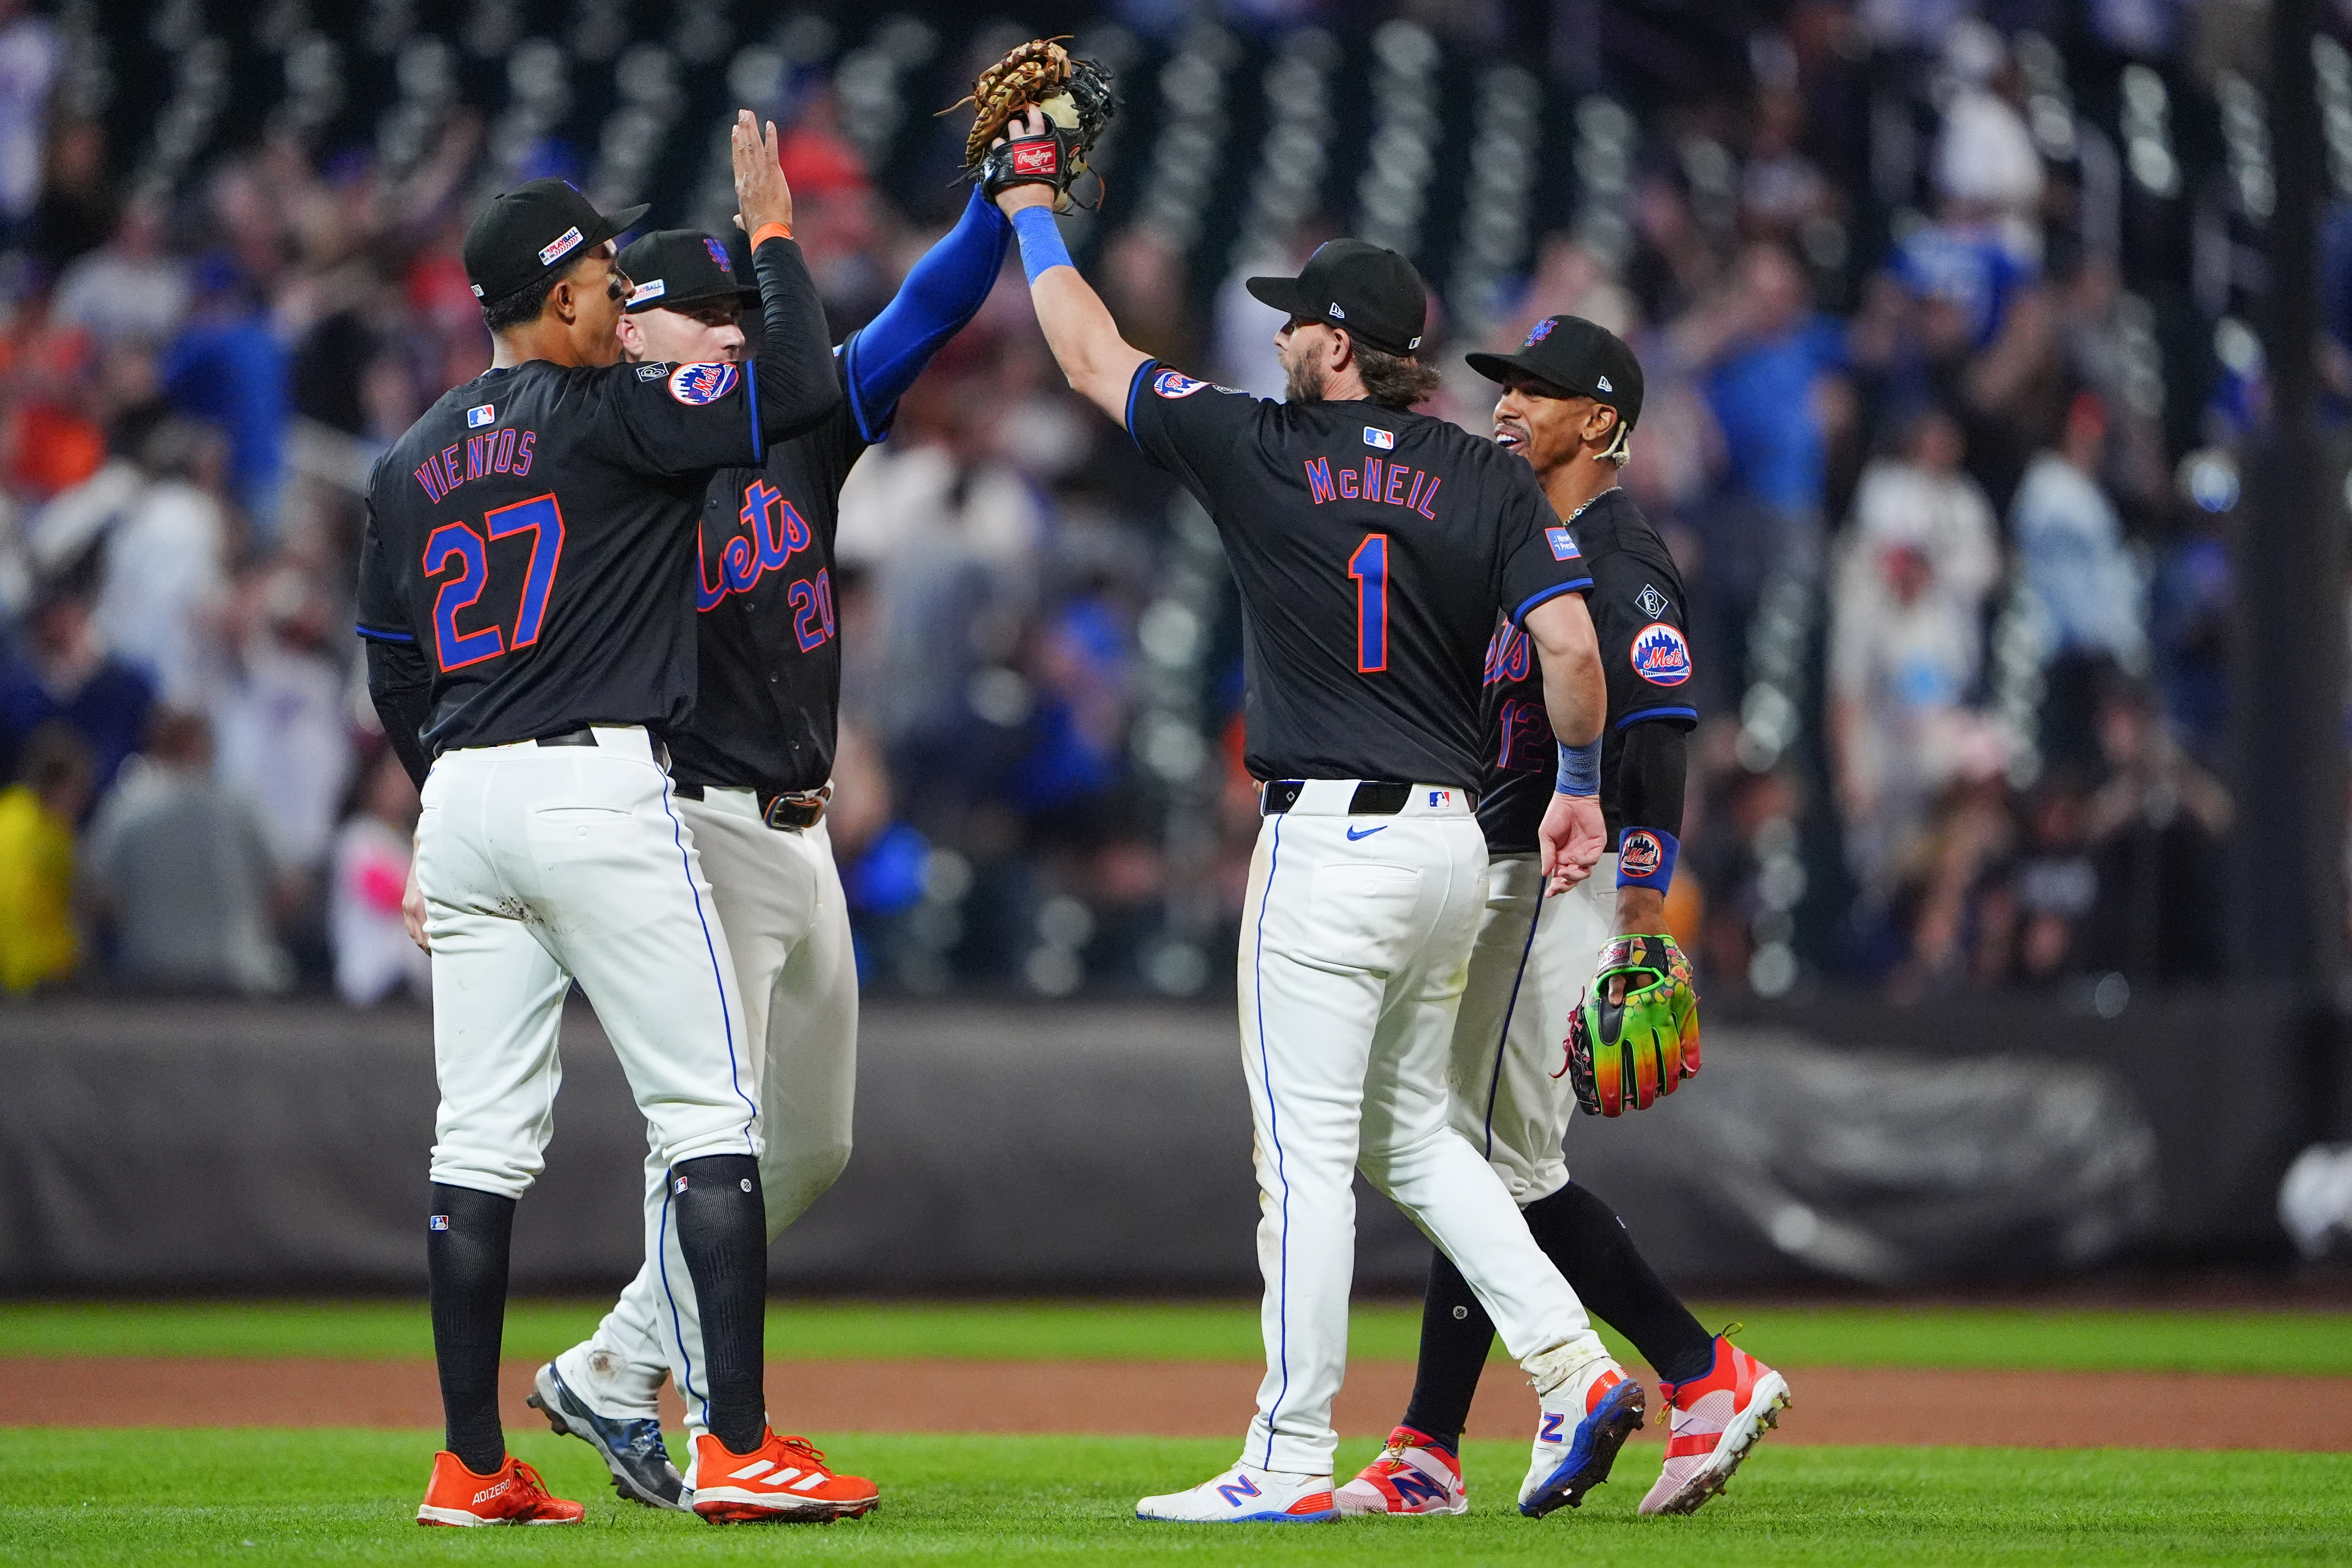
(1645, 858)
(1042, 249)
(1579, 770)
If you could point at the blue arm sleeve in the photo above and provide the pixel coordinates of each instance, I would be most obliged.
(943, 290)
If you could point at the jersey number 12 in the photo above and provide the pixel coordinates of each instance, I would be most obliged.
(539, 517)
(1368, 567)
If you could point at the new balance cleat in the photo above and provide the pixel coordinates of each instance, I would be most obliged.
(1411, 1477)
(782, 1482)
(511, 1494)
(1585, 1421)
(1247, 1495)
(1711, 1424)
(632, 1449)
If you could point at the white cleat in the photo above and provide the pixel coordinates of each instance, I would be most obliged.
(1585, 1421)
(1246, 1495)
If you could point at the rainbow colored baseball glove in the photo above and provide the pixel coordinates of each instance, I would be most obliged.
(1622, 1055)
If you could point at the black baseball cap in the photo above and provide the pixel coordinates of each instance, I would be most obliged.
(677, 267)
(527, 235)
(1374, 293)
(1579, 358)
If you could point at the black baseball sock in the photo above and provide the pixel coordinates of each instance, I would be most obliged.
(722, 1229)
(465, 1246)
(1455, 1336)
(1584, 1237)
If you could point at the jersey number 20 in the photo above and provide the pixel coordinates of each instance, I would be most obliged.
(1368, 567)
(539, 517)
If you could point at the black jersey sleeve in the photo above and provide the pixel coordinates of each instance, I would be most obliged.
(1539, 558)
(1637, 612)
(1186, 427)
(399, 676)
(665, 420)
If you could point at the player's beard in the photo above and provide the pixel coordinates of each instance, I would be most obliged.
(1303, 379)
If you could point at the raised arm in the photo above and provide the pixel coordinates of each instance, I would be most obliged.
(792, 378)
(1099, 363)
(943, 292)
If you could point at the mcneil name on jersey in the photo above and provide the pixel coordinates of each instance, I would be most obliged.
(504, 451)
(1392, 484)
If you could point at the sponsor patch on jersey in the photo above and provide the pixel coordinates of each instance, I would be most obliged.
(1563, 544)
(1383, 439)
(654, 370)
(1543, 330)
(1652, 603)
(707, 381)
(718, 256)
(1640, 854)
(487, 414)
(561, 246)
(1661, 656)
(1033, 158)
(1175, 384)
(651, 288)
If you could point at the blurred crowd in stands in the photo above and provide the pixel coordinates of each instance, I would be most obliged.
(1962, 604)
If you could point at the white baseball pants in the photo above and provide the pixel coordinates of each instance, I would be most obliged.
(780, 897)
(1533, 959)
(1355, 941)
(542, 865)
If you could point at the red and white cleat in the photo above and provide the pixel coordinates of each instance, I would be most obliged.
(1712, 1422)
(782, 1482)
(511, 1494)
(1412, 1475)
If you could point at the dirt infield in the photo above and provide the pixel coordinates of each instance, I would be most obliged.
(1186, 1399)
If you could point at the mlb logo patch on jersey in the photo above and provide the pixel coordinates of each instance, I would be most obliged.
(1661, 656)
(437, 1222)
(704, 382)
(488, 414)
(1639, 855)
(1175, 384)
(1651, 602)
(562, 245)
(1383, 439)
(1563, 544)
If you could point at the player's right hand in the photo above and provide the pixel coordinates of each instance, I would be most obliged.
(762, 195)
(412, 910)
(1571, 838)
(1029, 124)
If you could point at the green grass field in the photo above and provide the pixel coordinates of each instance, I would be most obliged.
(349, 1498)
(2309, 1342)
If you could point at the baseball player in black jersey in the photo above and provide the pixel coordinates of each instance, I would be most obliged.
(526, 595)
(752, 765)
(1374, 548)
(1570, 398)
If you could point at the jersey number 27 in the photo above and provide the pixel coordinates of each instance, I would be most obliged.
(458, 543)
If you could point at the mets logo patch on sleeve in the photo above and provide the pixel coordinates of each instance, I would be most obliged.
(1640, 854)
(1175, 383)
(1563, 544)
(1661, 656)
(707, 381)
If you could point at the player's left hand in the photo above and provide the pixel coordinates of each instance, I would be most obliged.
(1634, 1034)
(412, 910)
(1571, 838)
(762, 195)
(1011, 199)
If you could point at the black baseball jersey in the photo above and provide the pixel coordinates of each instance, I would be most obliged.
(528, 562)
(770, 699)
(1636, 602)
(1373, 547)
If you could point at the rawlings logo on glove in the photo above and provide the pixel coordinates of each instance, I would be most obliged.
(1634, 1034)
(1073, 96)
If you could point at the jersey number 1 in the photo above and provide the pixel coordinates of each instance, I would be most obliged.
(1368, 567)
(539, 517)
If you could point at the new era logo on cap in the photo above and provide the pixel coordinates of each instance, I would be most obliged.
(1603, 385)
(1338, 314)
(561, 246)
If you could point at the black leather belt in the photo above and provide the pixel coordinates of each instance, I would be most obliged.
(788, 811)
(584, 736)
(1374, 798)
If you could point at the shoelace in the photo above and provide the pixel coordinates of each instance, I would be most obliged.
(529, 1475)
(803, 1446)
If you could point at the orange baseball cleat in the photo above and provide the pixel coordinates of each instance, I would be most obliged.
(511, 1494)
(1713, 1422)
(782, 1482)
